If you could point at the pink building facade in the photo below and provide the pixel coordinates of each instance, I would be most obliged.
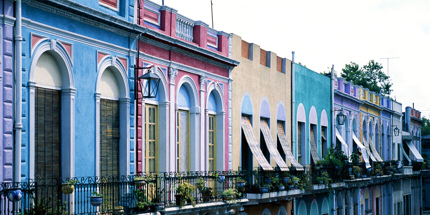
(187, 126)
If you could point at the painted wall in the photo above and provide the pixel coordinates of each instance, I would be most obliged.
(313, 90)
(6, 92)
(260, 83)
(87, 47)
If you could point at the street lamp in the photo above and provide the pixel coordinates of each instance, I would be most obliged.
(396, 131)
(340, 117)
(148, 82)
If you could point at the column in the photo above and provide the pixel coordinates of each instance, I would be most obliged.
(202, 153)
(173, 72)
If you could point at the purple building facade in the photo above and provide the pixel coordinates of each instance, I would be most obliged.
(6, 91)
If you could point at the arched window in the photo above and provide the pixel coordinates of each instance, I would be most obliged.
(47, 118)
(215, 129)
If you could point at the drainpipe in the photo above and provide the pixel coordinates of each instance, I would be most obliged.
(333, 130)
(293, 101)
(18, 94)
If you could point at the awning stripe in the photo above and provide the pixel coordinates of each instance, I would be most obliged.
(253, 145)
(414, 151)
(345, 147)
(404, 153)
(286, 147)
(314, 149)
(363, 151)
(368, 150)
(375, 152)
(264, 127)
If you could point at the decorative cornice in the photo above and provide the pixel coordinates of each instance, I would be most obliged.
(339, 93)
(173, 72)
(7, 20)
(202, 81)
(371, 104)
(70, 9)
(225, 34)
(189, 49)
(201, 23)
(76, 37)
(182, 67)
(168, 9)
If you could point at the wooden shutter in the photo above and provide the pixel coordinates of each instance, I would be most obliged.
(109, 137)
(47, 133)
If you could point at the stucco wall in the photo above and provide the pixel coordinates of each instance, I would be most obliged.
(261, 83)
(313, 90)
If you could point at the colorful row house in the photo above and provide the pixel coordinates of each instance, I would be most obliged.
(132, 100)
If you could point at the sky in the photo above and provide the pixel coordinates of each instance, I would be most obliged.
(333, 32)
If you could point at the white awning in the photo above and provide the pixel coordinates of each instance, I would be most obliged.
(368, 151)
(414, 151)
(345, 147)
(404, 153)
(286, 147)
(362, 150)
(253, 144)
(375, 152)
(314, 150)
(271, 146)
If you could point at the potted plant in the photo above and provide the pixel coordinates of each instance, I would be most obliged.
(67, 187)
(206, 194)
(142, 201)
(280, 187)
(200, 183)
(320, 180)
(229, 194)
(264, 188)
(319, 164)
(285, 177)
(183, 192)
(139, 181)
(290, 184)
(296, 180)
(118, 210)
(355, 158)
(220, 177)
(356, 170)
(240, 182)
(14, 194)
(96, 199)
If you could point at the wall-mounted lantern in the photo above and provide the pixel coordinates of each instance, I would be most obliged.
(148, 83)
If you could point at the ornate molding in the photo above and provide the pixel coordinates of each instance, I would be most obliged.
(202, 81)
(173, 72)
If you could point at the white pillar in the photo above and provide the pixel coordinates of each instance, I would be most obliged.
(202, 153)
(173, 72)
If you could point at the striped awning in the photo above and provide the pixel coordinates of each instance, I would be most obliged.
(286, 147)
(345, 147)
(414, 151)
(375, 152)
(314, 150)
(265, 130)
(363, 151)
(253, 144)
(368, 150)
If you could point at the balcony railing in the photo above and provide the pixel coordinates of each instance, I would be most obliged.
(184, 28)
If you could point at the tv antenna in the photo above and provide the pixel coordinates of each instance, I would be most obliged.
(388, 63)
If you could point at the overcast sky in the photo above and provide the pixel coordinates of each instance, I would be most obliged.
(329, 32)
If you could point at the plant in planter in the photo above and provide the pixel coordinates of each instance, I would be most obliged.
(183, 192)
(139, 181)
(290, 184)
(319, 164)
(200, 184)
(142, 201)
(229, 194)
(96, 199)
(378, 170)
(240, 182)
(68, 187)
(206, 194)
(118, 210)
(296, 180)
(285, 177)
(264, 188)
(356, 170)
(355, 158)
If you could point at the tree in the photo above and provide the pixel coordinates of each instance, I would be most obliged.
(425, 128)
(369, 76)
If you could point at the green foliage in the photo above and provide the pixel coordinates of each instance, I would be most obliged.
(356, 169)
(230, 192)
(200, 183)
(355, 158)
(369, 76)
(425, 129)
(95, 193)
